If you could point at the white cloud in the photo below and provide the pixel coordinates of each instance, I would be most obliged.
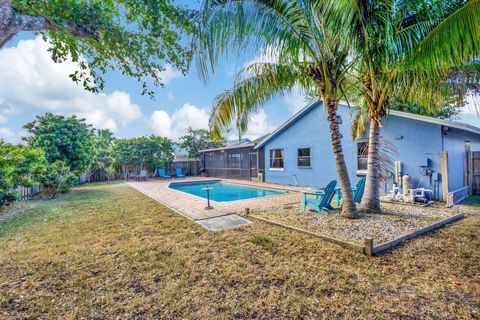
(3, 119)
(161, 123)
(32, 82)
(175, 126)
(7, 135)
(258, 125)
(270, 55)
(170, 74)
(295, 100)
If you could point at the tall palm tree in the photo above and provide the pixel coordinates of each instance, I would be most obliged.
(309, 51)
(405, 49)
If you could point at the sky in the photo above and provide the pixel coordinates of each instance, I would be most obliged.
(32, 84)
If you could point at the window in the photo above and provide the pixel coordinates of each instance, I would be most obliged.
(276, 159)
(303, 158)
(362, 156)
(233, 160)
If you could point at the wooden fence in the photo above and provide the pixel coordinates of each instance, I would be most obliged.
(472, 171)
(29, 192)
(189, 168)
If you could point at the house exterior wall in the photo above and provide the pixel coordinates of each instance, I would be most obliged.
(416, 143)
(454, 143)
(310, 131)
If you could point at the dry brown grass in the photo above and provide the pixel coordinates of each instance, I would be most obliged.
(108, 252)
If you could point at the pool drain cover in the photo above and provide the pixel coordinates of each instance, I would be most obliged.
(223, 222)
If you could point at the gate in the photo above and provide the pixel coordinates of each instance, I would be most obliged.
(472, 171)
(253, 165)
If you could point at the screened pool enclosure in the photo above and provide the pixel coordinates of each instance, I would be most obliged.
(234, 162)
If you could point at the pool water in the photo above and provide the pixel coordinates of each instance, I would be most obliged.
(224, 192)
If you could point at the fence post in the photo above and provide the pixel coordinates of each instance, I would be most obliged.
(444, 157)
(368, 243)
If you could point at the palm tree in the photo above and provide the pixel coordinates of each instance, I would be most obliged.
(309, 51)
(405, 49)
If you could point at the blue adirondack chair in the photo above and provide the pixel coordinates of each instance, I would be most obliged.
(357, 191)
(162, 174)
(179, 173)
(321, 200)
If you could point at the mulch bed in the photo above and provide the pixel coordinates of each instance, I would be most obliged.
(395, 221)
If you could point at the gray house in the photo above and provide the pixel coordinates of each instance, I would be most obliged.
(432, 151)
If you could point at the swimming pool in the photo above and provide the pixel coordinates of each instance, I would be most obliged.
(224, 192)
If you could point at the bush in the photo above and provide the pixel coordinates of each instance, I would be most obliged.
(18, 166)
(59, 178)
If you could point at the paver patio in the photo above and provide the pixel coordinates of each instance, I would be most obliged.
(193, 207)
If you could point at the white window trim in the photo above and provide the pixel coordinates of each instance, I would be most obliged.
(270, 160)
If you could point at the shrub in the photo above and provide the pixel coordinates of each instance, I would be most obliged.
(19, 165)
(59, 178)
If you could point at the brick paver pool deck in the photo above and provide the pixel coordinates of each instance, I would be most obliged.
(193, 207)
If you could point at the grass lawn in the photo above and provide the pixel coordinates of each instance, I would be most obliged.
(473, 201)
(107, 251)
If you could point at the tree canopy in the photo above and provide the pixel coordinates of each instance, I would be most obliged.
(135, 37)
(135, 153)
(443, 112)
(103, 158)
(18, 166)
(196, 140)
(66, 139)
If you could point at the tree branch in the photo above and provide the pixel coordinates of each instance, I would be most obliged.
(40, 23)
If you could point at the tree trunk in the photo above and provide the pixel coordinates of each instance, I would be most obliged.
(12, 22)
(371, 198)
(7, 19)
(349, 209)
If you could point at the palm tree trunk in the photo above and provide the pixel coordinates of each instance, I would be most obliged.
(371, 198)
(349, 209)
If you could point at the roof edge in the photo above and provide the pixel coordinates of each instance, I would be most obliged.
(442, 122)
(408, 115)
(247, 145)
(288, 122)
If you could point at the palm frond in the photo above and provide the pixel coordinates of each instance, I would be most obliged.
(245, 26)
(254, 86)
(452, 42)
(359, 118)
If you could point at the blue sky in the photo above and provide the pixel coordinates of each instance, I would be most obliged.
(31, 84)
